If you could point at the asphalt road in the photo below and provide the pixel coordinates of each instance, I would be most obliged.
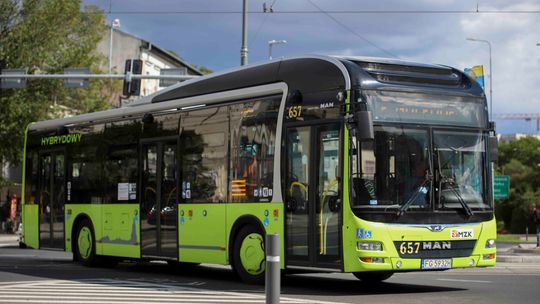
(32, 276)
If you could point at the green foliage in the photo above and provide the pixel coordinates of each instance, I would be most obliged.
(520, 159)
(204, 70)
(47, 36)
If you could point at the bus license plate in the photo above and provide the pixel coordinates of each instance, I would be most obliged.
(436, 263)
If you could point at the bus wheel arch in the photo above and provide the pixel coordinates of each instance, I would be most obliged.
(247, 239)
(83, 234)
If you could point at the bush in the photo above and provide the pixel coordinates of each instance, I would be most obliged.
(521, 218)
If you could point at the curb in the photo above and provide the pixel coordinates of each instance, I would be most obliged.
(518, 259)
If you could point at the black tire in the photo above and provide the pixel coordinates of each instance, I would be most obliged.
(373, 277)
(252, 271)
(22, 245)
(84, 244)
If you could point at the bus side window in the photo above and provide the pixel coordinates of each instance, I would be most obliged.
(204, 140)
(253, 135)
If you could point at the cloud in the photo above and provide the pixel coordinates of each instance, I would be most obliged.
(214, 40)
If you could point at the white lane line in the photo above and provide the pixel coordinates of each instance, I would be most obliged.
(94, 299)
(128, 301)
(97, 291)
(192, 301)
(464, 281)
(94, 295)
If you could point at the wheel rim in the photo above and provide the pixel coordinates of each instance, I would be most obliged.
(84, 242)
(252, 254)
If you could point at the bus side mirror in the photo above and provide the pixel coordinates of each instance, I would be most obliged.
(493, 149)
(364, 125)
(492, 125)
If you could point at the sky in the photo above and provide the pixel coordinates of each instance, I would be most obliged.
(208, 33)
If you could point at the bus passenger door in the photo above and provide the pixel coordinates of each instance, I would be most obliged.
(159, 212)
(51, 196)
(313, 196)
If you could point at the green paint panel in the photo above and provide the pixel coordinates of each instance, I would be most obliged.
(202, 238)
(205, 238)
(31, 225)
(116, 227)
(30, 211)
(120, 235)
(387, 234)
(350, 260)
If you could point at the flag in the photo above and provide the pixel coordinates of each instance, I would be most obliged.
(476, 73)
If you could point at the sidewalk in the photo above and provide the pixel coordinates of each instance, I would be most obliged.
(8, 240)
(519, 253)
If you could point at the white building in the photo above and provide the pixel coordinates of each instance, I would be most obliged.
(506, 138)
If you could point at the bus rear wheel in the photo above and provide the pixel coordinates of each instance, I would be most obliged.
(248, 260)
(85, 244)
(373, 277)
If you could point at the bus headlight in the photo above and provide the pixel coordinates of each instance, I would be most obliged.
(370, 246)
(490, 244)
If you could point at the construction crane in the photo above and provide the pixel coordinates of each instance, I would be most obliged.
(520, 116)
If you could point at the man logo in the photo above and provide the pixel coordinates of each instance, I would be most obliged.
(436, 228)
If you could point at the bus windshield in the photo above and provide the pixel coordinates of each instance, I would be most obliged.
(460, 157)
(423, 169)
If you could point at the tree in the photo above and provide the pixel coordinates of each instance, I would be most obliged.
(47, 36)
(204, 70)
(520, 159)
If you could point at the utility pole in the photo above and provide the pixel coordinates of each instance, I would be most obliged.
(114, 24)
(244, 49)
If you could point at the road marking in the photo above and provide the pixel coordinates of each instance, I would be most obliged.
(465, 281)
(97, 291)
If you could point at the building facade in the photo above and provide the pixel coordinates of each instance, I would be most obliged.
(126, 46)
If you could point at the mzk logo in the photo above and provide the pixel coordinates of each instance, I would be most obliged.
(461, 233)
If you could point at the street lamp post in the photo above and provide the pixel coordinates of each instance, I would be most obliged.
(244, 49)
(490, 76)
(271, 43)
(114, 24)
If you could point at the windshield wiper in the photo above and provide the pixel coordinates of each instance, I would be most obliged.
(413, 198)
(460, 199)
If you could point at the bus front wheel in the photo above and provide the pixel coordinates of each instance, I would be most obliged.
(85, 244)
(373, 277)
(248, 260)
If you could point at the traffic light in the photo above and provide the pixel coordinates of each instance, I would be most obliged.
(132, 86)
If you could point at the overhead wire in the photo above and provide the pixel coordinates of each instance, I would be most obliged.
(334, 12)
(350, 30)
(264, 21)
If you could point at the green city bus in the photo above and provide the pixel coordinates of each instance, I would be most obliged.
(362, 165)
